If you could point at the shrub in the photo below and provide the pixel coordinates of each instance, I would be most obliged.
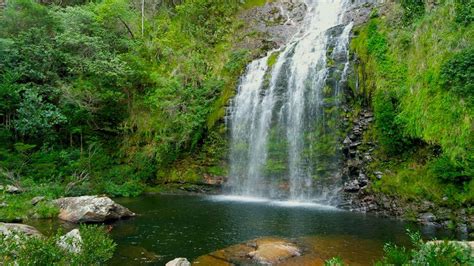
(464, 12)
(97, 248)
(390, 131)
(413, 9)
(336, 261)
(426, 253)
(447, 170)
(457, 74)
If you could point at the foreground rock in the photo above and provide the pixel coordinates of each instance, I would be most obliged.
(271, 251)
(71, 242)
(10, 189)
(90, 209)
(179, 262)
(262, 251)
(11, 228)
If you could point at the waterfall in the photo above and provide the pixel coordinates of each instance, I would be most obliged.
(283, 120)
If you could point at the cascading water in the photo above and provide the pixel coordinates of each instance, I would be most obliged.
(283, 120)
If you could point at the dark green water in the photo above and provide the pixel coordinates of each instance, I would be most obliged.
(189, 226)
(169, 226)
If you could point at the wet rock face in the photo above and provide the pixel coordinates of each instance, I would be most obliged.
(90, 209)
(360, 12)
(272, 25)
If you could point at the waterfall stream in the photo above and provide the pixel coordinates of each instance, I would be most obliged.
(283, 121)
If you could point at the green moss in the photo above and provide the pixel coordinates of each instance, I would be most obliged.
(255, 3)
(272, 59)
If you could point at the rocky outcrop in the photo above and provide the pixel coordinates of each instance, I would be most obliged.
(271, 25)
(71, 242)
(178, 262)
(10, 228)
(90, 209)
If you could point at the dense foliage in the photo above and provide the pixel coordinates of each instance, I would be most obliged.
(93, 101)
(97, 247)
(416, 63)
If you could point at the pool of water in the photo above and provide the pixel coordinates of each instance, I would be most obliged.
(169, 226)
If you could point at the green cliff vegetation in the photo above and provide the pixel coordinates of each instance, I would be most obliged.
(416, 65)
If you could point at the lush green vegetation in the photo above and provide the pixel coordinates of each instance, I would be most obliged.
(93, 102)
(421, 253)
(417, 68)
(427, 253)
(96, 248)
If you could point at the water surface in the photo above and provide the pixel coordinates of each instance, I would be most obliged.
(170, 226)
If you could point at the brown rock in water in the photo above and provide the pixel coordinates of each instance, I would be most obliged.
(90, 209)
(262, 251)
(271, 251)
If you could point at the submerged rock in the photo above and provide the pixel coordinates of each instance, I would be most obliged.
(179, 262)
(273, 251)
(261, 251)
(71, 242)
(90, 209)
(11, 228)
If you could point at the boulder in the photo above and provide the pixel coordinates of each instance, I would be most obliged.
(90, 209)
(352, 186)
(37, 200)
(10, 189)
(178, 262)
(274, 251)
(260, 251)
(9, 228)
(71, 242)
(427, 218)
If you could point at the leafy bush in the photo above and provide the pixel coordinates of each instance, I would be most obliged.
(427, 253)
(97, 248)
(390, 130)
(413, 9)
(457, 74)
(336, 261)
(448, 170)
(128, 189)
(464, 11)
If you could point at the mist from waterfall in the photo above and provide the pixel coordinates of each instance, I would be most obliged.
(282, 121)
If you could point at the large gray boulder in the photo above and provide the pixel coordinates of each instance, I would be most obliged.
(93, 209)
(8, 229)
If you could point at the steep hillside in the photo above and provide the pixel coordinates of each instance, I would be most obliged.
(414, 62)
